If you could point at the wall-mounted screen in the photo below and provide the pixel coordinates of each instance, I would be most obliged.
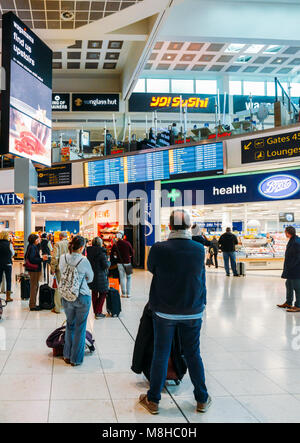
(27, 99)
(156, 165)
(85, 139)
(286, 217)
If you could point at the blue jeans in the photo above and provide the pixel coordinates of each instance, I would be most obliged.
(291, 287)
(232, 257)
(125, 280)
(6, 269)
(190, 340)
(77, 314)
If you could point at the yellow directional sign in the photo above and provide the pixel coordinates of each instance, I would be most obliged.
(247, 147)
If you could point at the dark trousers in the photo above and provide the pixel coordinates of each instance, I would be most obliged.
(6, 269)
(291, 287)
(98, 299)
(34, 288)
(232, 257)
(214, 258)
(190, 339)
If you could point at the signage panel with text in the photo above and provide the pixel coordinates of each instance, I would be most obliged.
(275, 147)
(96, 102)
(26, 118)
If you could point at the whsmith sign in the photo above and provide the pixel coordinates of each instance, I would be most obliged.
(274, 147)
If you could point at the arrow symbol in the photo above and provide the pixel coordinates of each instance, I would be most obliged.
(247, 147)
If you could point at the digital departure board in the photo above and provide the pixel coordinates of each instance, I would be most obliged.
(200, 159)
(156, 165)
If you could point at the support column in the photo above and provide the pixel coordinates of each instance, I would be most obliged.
(27, 219)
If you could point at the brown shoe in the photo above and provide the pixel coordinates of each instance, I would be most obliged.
(284, 306)
(54, 311)
(149, 405)
(67, 360)
(8, 297)
(203, 407)
(293, 309)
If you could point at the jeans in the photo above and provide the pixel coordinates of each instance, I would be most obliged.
(232, 257)
(6, 269)
(125, 280)
(77, 314)
(190, 340)
(291, 286)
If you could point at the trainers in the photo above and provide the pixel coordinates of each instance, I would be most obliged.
(284, 306)
(98, 316)
(149, 405)
(203, 407)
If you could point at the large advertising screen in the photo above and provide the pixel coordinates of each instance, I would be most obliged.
(27, 99)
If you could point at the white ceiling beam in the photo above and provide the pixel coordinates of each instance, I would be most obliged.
(234, 21)
(140, 52)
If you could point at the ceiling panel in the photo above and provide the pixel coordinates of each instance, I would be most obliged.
(224, 57)
(60, 14)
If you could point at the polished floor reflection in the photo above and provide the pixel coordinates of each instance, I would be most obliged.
(251, 352)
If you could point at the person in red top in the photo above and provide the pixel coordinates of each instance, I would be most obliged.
(122, 254)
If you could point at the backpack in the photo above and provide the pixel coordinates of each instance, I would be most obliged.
(56, 341)
(70, 282)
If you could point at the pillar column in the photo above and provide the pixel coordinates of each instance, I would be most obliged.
(226, 219)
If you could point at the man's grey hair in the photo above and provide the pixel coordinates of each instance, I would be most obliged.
(180, 220)
(63, 234)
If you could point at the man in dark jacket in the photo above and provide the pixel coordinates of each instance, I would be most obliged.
(227, 243)
(177, 299)
(291, 270)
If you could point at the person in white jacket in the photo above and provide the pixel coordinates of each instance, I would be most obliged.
(77, 311)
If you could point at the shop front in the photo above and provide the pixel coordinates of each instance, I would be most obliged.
(257, 206)
(94, 211)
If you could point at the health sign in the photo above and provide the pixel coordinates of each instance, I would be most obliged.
(274, 147)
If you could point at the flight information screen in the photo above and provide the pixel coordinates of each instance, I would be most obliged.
(199, 159)
(155, 165)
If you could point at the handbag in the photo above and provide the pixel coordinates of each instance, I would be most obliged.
(54, 284)
(128, 268)
(30, 267)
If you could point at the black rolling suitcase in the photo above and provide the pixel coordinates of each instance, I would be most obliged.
(25, 286)
(46, 295)
(113, 302)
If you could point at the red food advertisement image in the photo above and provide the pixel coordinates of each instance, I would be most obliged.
(29, 138)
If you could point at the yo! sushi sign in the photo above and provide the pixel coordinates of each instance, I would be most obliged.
(279, 186)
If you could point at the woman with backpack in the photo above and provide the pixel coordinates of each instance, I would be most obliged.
(33, 265)
(99, 286)
(76, 273)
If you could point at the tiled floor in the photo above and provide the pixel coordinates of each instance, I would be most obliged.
(251, 352)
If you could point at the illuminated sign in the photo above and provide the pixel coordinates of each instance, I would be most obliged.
(195, 103)
(279, 186)
(174, 102)
(274, 147)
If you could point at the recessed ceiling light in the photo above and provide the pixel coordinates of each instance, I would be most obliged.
(243, 59)
(234, 47)
(273, 49)
(254, 49)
